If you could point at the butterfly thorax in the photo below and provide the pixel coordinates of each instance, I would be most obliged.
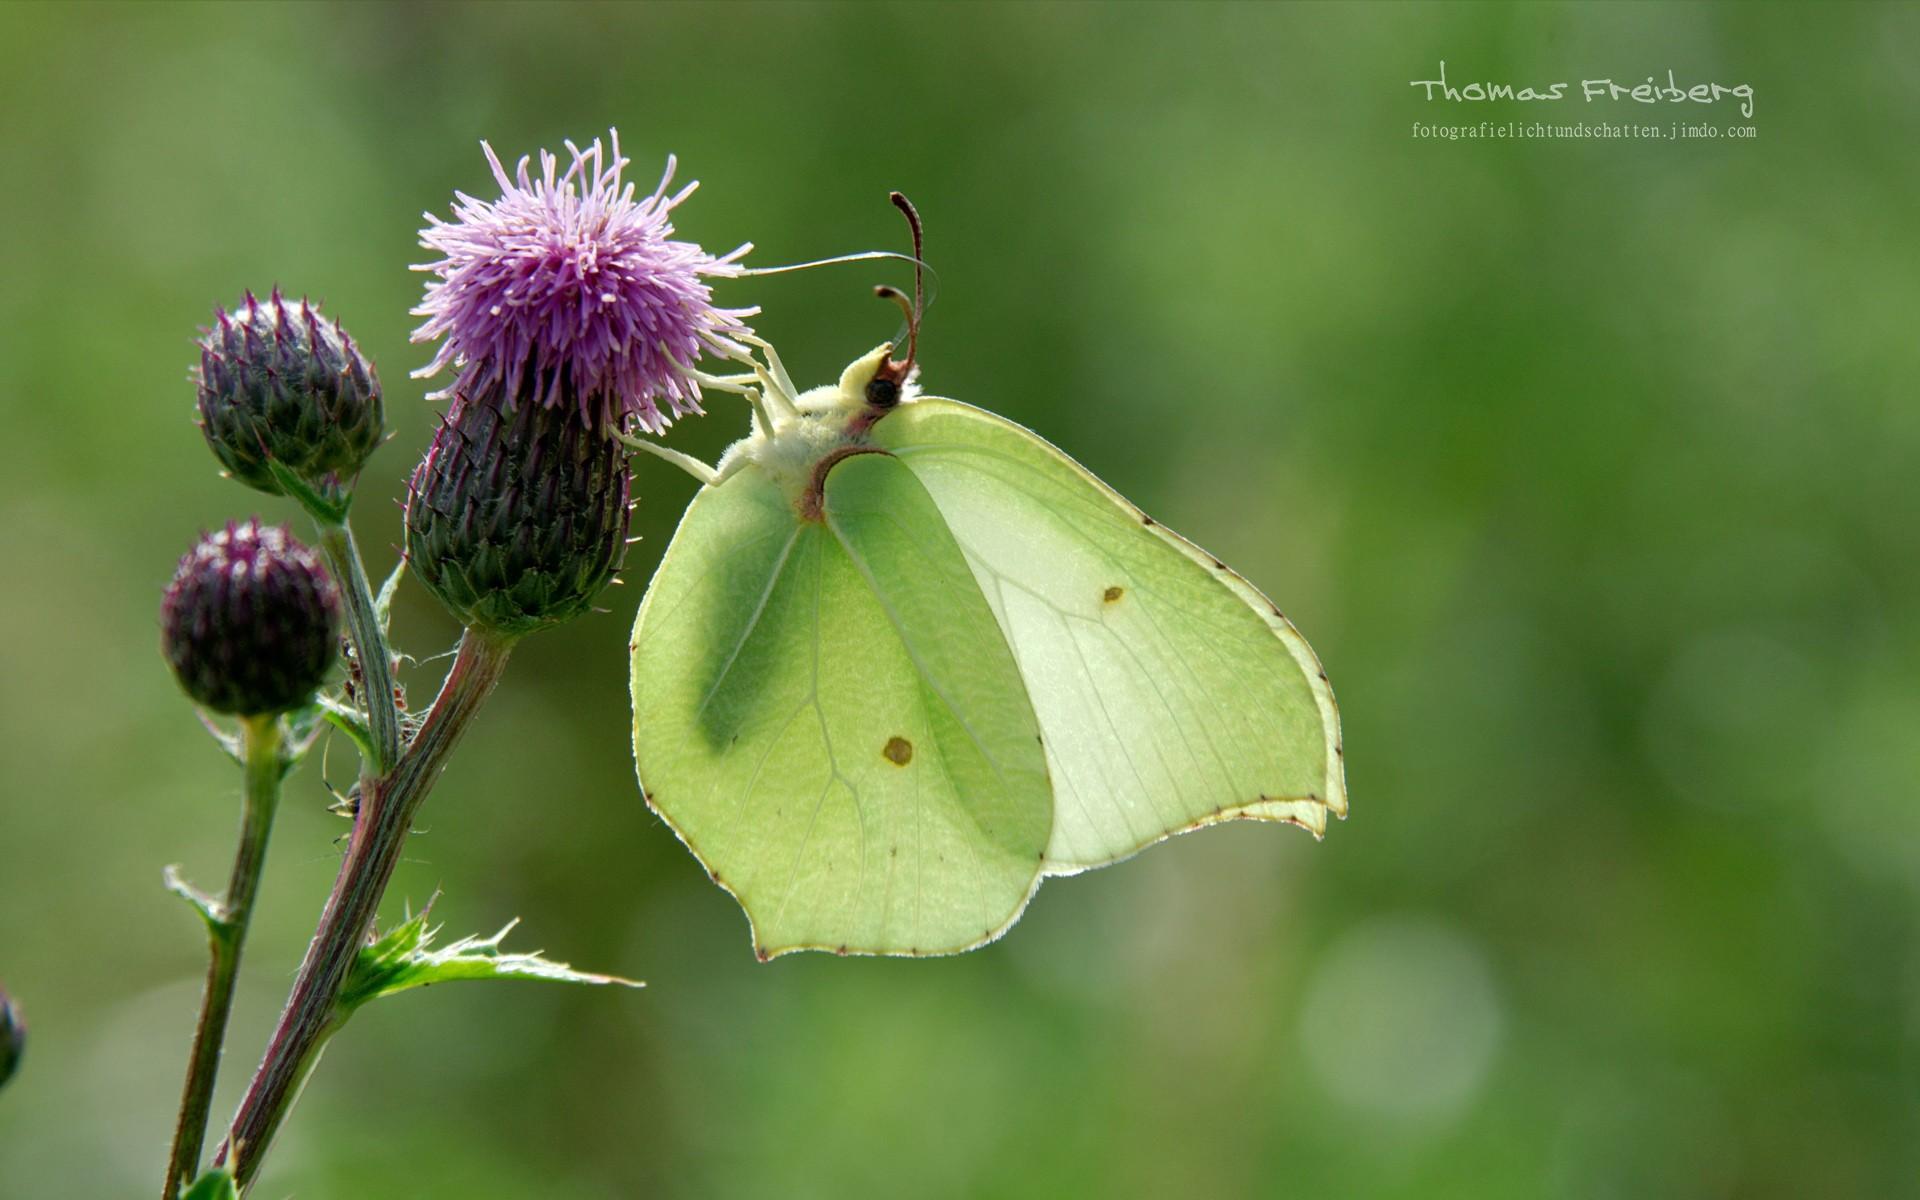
(814, 430)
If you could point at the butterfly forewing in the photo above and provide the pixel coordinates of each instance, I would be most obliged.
(828, 715)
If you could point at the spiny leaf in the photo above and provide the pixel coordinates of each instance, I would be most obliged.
(348, 720)
(227, 742)
(210, 909)
(403, 958)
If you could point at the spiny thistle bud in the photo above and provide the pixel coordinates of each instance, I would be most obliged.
(13, 1037)
(278, 383)
(517, 517)
(251, 621)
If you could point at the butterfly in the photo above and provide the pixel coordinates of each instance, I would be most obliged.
(904, 659)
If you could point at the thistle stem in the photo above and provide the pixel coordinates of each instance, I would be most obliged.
(263, 753)
(388, 804)
(369, 642)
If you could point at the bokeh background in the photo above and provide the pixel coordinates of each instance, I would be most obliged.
(1588, 467)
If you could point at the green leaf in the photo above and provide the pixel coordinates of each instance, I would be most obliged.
(216, 1184)
(210, 909)
(350, 721)
(229, 743)
(404, 958)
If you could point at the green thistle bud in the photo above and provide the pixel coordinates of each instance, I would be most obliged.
(279, 384)
(517, 517)
(251, 622)
(13, 1037)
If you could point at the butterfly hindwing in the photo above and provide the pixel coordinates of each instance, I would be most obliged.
(1170, 692)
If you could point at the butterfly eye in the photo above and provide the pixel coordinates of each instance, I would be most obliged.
(882, 392)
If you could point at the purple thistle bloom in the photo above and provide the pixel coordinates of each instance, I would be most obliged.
(569, 286)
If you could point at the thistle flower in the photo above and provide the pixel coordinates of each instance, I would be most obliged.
(279, 384)
(569, 290)
(517, 517)
(251, 621)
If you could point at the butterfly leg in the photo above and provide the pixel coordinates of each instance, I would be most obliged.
(686, 462)
(775, 384)
(726, 383)
(752, 385)
(781, 384)
(762, 419)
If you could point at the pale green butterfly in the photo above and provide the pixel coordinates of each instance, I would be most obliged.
(904, 659)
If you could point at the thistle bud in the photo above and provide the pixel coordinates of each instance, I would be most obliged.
(13, 1037)
(517, 517)
(279, 384)
(251, 621)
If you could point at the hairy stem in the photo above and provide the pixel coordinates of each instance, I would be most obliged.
(264, 756)
(369, 643)
(388, 804)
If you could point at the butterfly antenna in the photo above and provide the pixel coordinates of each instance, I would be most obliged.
(905, 304)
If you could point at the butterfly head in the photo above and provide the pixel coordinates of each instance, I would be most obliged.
(876, 382)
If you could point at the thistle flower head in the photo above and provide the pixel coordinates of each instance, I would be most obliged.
(251, 622)
(279, 384)
(570, 289)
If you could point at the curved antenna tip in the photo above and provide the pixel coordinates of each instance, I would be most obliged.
(900, 298)
(900, 201)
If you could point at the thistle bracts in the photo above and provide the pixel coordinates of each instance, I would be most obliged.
(517, 517)
(251, 622)
(278, 384)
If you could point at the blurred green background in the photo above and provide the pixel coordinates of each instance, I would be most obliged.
(1588, 467)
